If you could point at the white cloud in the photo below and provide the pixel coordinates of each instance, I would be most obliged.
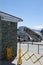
(37, 27)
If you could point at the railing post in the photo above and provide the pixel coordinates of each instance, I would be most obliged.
(38, 48)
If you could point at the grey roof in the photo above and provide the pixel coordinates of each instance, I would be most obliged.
(8, 17)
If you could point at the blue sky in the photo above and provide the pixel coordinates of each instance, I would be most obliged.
(31, 11)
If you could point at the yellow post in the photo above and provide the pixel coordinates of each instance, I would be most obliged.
(19, 62)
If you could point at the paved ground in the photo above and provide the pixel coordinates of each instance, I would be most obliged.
(6, 63)
(33, 49)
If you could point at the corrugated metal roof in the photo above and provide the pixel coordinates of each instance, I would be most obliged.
(8, 17)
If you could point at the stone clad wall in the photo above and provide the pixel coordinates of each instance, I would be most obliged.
(8, 37)
(0, 40)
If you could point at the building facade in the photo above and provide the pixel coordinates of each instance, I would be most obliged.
(8, 36)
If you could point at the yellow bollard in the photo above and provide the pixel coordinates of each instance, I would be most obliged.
(19, 62)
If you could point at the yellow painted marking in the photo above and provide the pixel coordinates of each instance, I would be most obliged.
(30, 58)
(37, 58)
(23, 55)
(9, 53)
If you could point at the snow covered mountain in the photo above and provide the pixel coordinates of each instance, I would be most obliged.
(25, 36)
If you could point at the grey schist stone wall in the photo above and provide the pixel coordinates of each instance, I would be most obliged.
(8, 37)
